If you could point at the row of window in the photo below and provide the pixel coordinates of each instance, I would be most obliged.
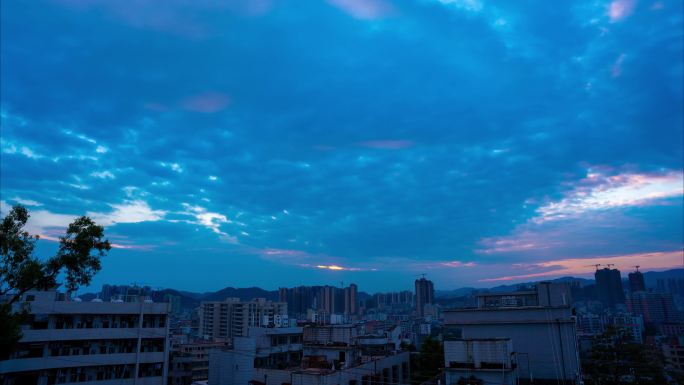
(45, 321)
(88, 347)
(89, 373)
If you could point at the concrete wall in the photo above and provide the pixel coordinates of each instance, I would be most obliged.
(547, 336)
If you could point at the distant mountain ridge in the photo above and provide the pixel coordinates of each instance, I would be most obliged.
(650, 278)
(191, 299)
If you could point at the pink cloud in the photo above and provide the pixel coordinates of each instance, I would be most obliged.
(584, 266)
(182, 18)
(364, 9)
(156, 107)
(524, 241)
(602, 191)
(207, 102)
(620, 9)
(616, 71)
(387, 144)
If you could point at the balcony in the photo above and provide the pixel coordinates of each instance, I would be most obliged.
(54, 362)
(90, 334)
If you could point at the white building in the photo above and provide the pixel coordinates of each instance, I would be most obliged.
(232, 317)
(331, 354)
(536, 329)
(94, 343)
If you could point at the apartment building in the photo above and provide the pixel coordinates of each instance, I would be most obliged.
(67, 341)
(233, 318)
(189, 362)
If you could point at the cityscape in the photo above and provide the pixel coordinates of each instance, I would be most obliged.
(341, 192)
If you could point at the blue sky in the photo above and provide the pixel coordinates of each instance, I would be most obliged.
(277, 143)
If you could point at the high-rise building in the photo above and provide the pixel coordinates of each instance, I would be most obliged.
(350, 299)
(425, 294)
(656, 308)
(609, 287)
(636, 282)
(70, 341)
(232, 317)
(322, 299)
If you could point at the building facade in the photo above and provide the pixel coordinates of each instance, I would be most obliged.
(222, 320)
(94, 343)
(535, 342)
(425, 294)
(609, 287)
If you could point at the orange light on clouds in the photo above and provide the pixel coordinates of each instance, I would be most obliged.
(331, 267)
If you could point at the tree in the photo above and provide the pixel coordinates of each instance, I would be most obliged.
(613, 356)
(428, 362)
(77, 260)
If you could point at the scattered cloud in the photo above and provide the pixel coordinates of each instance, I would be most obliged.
(387, 144)
(26, 202)
(207, 102)
(620, 9)
(134, 211)
(103, 174)
(364, 9)
(210, 220)
(616, 71)
(172, 166)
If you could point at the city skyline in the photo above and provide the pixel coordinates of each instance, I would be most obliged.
(263, 143)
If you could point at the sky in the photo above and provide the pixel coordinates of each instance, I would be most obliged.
(280, 143)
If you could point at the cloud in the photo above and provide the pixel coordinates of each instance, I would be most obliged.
(616, 71)
(103, 174)
(207, 102)
(210, 220)
(599, 191)
(468, 5)
(133, 211)
(172, 166)
(340, 268)
(364, 9)
(620, 9)
(11, 148)
(660, 260)
(26, 202)
(387, 144)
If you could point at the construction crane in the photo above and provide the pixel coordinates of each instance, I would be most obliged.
(637, 267)
(595, 265)
(610, 264)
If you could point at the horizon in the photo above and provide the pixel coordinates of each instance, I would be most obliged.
(250, 143)
(586, 276)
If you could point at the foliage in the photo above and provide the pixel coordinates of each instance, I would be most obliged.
(428, 362)
(614, 359)
(77, 260)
